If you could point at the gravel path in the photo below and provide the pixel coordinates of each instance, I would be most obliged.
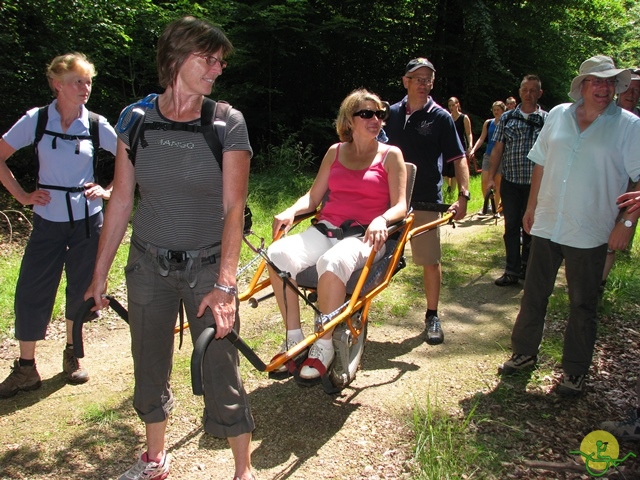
(302, 433)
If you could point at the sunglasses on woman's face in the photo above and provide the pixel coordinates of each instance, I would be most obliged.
(367, 114)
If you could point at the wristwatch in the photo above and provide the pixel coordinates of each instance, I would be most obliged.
(626, 223)
(464, 194)
(228, 289)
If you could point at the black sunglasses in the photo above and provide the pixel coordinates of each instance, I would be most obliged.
(367, 114)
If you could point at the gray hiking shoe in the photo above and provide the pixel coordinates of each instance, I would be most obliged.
(628, 429)
(145, 470)
(20, 379)
(71, 366)
(433, 331)
(571, 385)
(517, 363)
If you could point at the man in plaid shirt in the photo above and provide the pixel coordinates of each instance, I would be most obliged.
(514, 136)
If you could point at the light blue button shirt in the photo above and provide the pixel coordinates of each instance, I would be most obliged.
(584, 173)
(62, 166)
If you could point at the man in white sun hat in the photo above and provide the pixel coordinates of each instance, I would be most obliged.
(584, 156)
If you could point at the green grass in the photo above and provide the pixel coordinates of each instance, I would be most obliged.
(9, 268)
(99, 414)
(446, 447)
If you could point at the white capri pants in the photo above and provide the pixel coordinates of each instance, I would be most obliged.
(297, 252)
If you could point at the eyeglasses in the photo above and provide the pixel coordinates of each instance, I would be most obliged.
(211, 60)
(421, 80)
(367, 114)
(601, 82)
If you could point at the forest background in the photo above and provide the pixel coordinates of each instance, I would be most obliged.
(295, 60)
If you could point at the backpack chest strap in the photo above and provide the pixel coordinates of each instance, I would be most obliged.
(64, 136)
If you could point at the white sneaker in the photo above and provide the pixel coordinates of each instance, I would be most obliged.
(145, 470)
(317, 362)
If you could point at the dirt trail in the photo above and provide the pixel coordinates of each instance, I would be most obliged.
(301, 433)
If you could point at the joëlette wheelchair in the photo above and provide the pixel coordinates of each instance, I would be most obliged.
(349, 321)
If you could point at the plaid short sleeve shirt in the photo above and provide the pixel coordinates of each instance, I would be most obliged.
(518, 134)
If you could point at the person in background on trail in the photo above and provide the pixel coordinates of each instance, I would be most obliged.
(427, 136)
(629, 101)
(514, 136)
(67, 214)
(584, 157)
(364, 182)
(488, 129)
(463, 127)
(185, 244)
(510, 103)
(628, 429)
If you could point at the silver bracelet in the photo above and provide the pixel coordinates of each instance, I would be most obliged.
(228, 289)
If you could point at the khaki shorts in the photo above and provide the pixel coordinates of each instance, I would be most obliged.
(425, 248)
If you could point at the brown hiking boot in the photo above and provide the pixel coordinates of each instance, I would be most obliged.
(71, 366)
(20, 379)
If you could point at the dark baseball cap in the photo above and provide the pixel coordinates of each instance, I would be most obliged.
(417, 63)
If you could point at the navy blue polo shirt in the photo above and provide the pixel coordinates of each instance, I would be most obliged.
(428, 138)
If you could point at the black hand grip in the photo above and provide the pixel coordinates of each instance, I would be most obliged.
(82, 316)
(200, 348)
(197, 356)
(489, 197)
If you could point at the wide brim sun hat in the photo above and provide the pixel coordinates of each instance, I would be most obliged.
(600, 66)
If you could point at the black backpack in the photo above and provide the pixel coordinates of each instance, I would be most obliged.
(94, 136)
(213, 122)
(41, 130)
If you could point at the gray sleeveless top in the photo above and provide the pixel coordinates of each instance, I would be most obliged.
(180, 185)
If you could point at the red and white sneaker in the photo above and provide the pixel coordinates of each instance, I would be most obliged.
(317, 362)
(146, 470)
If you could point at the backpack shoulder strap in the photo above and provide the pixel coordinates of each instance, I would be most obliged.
(41, 126)
(221, 115)
(214, 116)
(94, 129)
(207, 113)
(213, 122)
(94, 132)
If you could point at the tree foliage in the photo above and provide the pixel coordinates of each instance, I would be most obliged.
(296, 60)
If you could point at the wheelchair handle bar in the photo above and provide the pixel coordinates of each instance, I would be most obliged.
(489, 200)
(200, 348)
(82, 316)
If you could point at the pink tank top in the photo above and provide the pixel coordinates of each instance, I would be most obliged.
(358, 195)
